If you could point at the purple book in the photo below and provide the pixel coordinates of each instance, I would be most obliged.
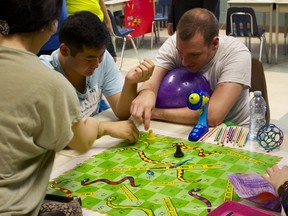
(252, 187)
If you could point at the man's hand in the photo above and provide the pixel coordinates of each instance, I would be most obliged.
(141, 73)
(121, 129)
(142, 107)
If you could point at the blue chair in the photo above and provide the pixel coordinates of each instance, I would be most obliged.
(161, 15)
(242, 22)
(122, 33)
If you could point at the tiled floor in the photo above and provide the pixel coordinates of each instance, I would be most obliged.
(276, 74)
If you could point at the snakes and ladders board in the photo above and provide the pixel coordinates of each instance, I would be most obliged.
(147, 179)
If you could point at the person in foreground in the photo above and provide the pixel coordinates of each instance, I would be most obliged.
(223, 60)
(39, 108)
(278, 178)
(83, 59)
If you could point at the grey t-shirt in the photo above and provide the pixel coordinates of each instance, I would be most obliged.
(38, 108)
(232, 63)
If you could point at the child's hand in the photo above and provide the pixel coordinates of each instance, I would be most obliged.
(121, 129)
(276, 176)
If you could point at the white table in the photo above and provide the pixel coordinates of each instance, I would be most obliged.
(281, 7)
(182, 131)
(115, 5)
(265, 6)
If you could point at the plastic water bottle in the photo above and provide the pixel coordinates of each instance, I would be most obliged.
(257, 114)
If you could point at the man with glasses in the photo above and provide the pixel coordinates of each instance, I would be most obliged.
(83, 59)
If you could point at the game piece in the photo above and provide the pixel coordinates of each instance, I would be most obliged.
(150, 135)
(149, 172)
(178, 152)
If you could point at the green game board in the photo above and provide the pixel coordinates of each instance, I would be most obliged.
(146, 178)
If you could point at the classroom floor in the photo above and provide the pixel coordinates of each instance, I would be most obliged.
(276, 74)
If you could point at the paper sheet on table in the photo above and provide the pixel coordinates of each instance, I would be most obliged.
(253, 187)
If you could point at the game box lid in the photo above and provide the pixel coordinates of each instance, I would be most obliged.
(232, 208)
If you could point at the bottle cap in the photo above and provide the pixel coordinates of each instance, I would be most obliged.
(257, 93)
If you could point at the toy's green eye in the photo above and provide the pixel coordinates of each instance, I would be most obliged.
(194, 98)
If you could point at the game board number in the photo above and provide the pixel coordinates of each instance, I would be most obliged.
(89, 203)
(101, 207)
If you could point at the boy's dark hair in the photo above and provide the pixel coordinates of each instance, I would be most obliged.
(198, 20)
(83, 29)
(23, 16)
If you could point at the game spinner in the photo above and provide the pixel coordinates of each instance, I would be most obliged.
(159, 175)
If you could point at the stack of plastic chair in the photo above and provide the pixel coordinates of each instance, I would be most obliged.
(161, 15)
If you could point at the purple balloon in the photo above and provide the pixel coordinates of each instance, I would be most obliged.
(176, 86)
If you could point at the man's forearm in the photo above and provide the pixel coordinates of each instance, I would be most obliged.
(128, 94)
(85, 133)
(176, 115)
